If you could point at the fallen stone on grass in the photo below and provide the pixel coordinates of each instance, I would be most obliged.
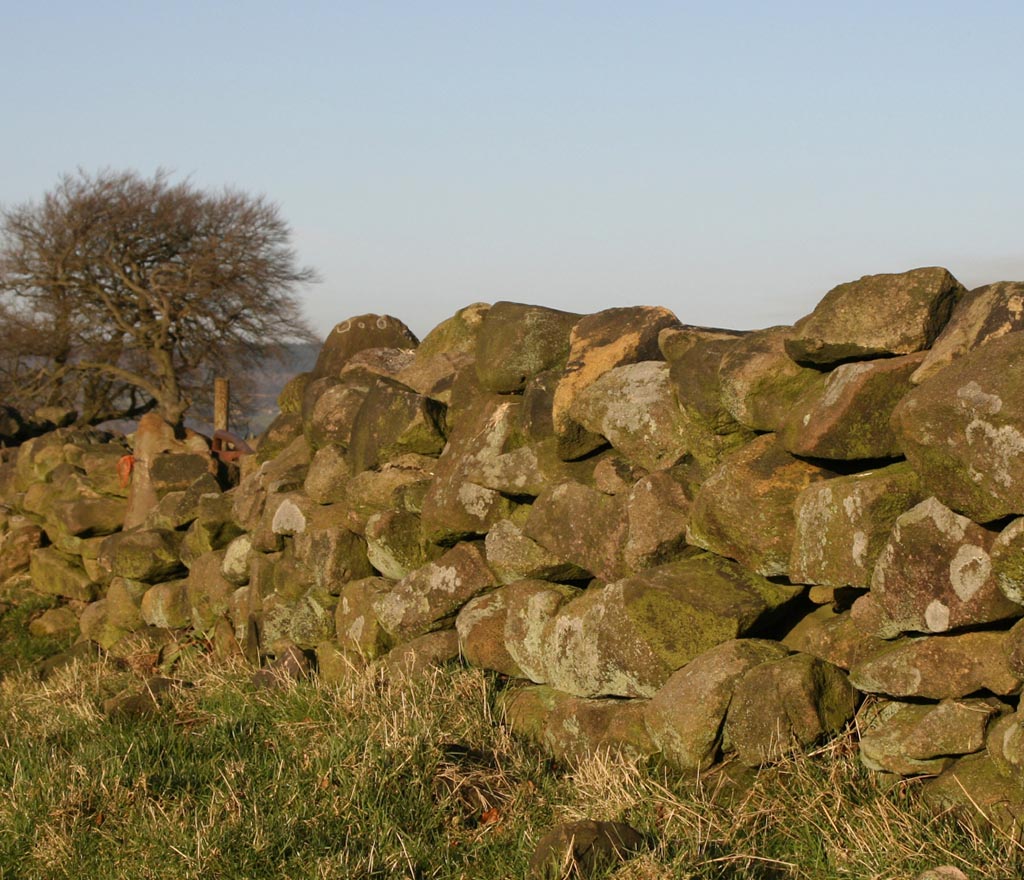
(583, 849)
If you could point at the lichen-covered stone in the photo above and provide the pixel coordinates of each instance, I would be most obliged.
(331, 409)
(429, 597)
(417, 657)
(974, 786)
(394, 543)
(626, 638)
(634, 408)
(759, 382)
(208, 591)
(457, 333)
(356, 334)
(981, 315)
(515, 342)
(358, 630)
(939, 667)
(237, 556)
(166, 605)
(833, 636)
(920, 738)
(657, 514)
(963, 431)
(597, 344)
(394, 421)
(784, 704)
(148, 555)
(89, 517)
(846, 417)
(578, 728)
(330, 551)
(935, 573)
(481, 628)
(16, 547)
(876, 316)
(58, 574)
(1007, 555)
(582, 525)
(527, 470)
(531, 606)
(583, 848)
(843, 524)
(744, 510)
(327, 475)
(685, 716)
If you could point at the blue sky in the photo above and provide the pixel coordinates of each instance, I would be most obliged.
(731, 161)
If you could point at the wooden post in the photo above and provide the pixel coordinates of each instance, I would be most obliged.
(221, 397)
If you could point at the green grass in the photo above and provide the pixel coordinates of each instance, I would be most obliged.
(19, 649)
(346, 782)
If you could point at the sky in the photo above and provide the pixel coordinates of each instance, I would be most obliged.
(731, 161)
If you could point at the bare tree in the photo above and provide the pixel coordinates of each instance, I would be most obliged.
(123, 293)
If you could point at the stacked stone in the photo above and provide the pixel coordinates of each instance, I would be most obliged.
(682, 540)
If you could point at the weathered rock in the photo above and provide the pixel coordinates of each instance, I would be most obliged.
(331, 410)
(627, 638)
(237, 556)
(481, 628)
(394, 543)
(89, 517)
(975, 788)
(16, 547)
(657, 514)
(515, 342)
(787, 703)
(759, 382)
(833, 636)
(527, 470)
(531, 606)
(457, 333)
(394, 421)
(430, 596)
(398, 485)
(166, 605)
(54, 623)
(577, 728)
(307, 621)
(290, 398)
(939, 667)
(876, 316)
(1007, 555)
(846, 417)
(96, 625)
(330, 552)
(176, 471)
(358, 631)
(356, 334)
(208, 590)
(433, 376)
(599, 343)
(60, 575)
(935, 573)
(634, 408)
(148, 555)
(744, 510)
(288, 515)
(918, 738)
(582, 525)
(583, 849)
(366, 367)
(843, 524)
(685, 716)
(327, 475)
(417, 657)
(963, 431)
(982, 314)
(455, 507)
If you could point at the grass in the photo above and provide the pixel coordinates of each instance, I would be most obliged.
(370, 779)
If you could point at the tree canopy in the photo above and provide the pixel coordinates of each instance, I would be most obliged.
(120, 294)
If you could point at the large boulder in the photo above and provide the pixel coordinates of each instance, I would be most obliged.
(599, 343)
(843, 524)
(356, 334)
(627, 638)
(963, 431)
(876, 316)
(935, 573)
(531, 606)
(846, 417)
(393, 421)
(515, 342)
(744, 510)
(983, 314)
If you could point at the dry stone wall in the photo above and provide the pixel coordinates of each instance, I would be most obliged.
(668, 539)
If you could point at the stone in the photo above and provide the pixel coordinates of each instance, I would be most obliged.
(876, 316)
(429, 597)
(394, 421)
(481, 628)
(685, 716)
(398, 485)
(584, 849)
(367, 366)
(515, 342)
(759, 382)
(744, 510)
(332, 409)
(327, 475)
(527, 470)
(963, 431)
(167, 606)
(974, 788)
(657, 515)
(433, 376)
(1007, 555)
(579, 728)
(843, 524)
(208, 591)
(176, 471)
(457, 334)
(330, 552)
(454, 507)
(913, 739)
(290, 398)
(356, 334)
(279, 434)
(981, 315)
(581, 525)
(597, 344)
(634, 408)
(306, 621)
(846, 417)
(531, 606)
(935, 573)
(784, 704)
(123, 601)
(415, 658)
(833, 636)
(16, 547)
(58, 574)
(394, 543)
(96, 626)
(54, 623)
(90, 517)
(939, 667)
(358, 631)
(237, 556)
(289, 514)
(149, 555)
(626, 638)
